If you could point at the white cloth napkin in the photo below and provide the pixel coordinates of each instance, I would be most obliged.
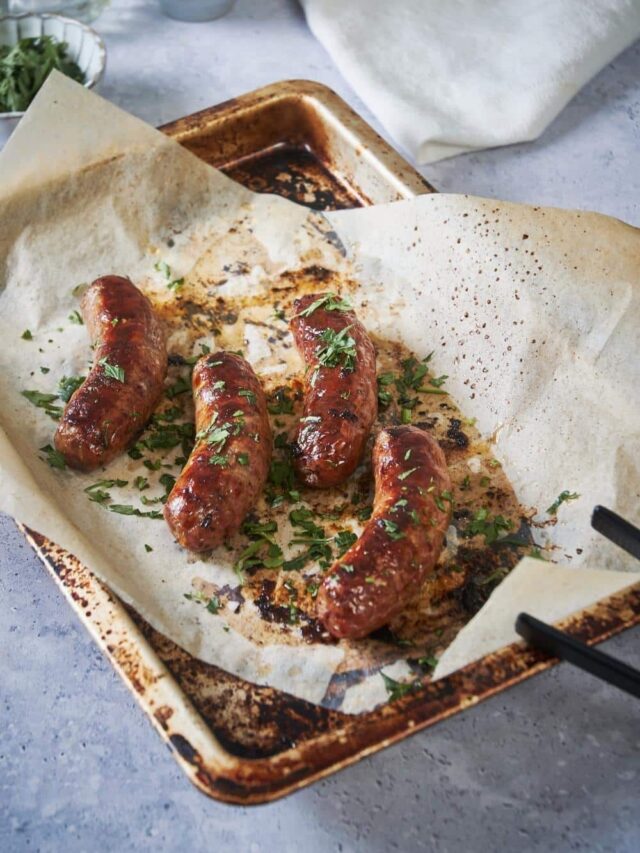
(447, 76)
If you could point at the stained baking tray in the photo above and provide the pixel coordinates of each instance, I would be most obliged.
(236, 741)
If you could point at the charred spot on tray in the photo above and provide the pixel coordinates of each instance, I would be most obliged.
(455, 434)
(314, 631)
(238, 268)
(269, 610)
(184, 749)
(484, 568)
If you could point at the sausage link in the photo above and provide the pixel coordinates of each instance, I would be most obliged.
(401, 542)
(340, 399)
(125, 383)
(228, 466)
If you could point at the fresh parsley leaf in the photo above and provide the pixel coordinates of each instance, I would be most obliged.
(251, 397)
(180, 386)
(76, 318)
(338, 349)
(68, 385)
(438, 381)
(482, 524)
(391, 529)
(217, 459)
(26, 335)
(344, 540)
(127, 509)
(44, 401)
(330, 302)
(163, 267)
(113, 371)
(397, 689)
(281, 403)
(406, 473)
(53, 457)
(242, 458)
(563, 497)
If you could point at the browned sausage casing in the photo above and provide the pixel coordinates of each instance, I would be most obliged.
(401, 542)
(228, 466)
(105, 414)
(340, 405)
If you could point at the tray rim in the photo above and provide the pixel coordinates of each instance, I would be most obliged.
(246, 781)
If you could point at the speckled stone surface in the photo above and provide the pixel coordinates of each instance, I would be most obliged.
(551, 765)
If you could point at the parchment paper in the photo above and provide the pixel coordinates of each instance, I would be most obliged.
(533, 313)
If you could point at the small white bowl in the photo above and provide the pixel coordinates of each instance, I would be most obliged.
(84, 46)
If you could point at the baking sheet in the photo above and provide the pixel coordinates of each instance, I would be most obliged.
(131, 210)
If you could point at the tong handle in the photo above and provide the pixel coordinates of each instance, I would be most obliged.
(591, 660)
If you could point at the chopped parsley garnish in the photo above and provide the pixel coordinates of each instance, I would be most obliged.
(344, 540)
(53, 457)
(96, 491)
(68, 385)
(212, 603)
(399, 504)
(251, 397)
(127, 509)
(438, 381)
(364, 514)
(217, 459)
(44, 401)
(76, 318)
(242, 458)
(261, 552)
(176, 284)
(113, 371)
(180, 386)
(385, 398)
(347, 567)
(26, 335)
(429, 661)
(141, 483)
(563, 497)
(219, 385)
(391, 529)
(310, 534)
(398, 689)
(164, 268)
(406, 473)
(338, 350)
(330, 302)
(281, 403)
(407, 455)
(482, 524)
(148, 548)
(168, 481)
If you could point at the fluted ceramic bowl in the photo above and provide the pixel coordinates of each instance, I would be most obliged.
(84, 46)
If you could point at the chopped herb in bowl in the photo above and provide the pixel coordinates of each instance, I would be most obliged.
(25, 66)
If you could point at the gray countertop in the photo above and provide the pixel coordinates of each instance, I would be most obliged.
(553, 764)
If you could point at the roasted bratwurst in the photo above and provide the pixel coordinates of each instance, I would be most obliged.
(125, 383)
(228, 467)
(401, 542)
(340, 400)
